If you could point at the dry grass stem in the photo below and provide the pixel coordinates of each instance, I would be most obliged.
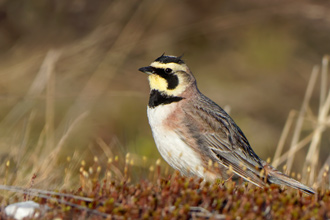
(47, 165)
(313, 151)
(36, 89)
(37, 192)
(301, 117)
(283, 138)
(302, 143)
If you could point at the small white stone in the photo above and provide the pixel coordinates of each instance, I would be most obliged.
(22, 210)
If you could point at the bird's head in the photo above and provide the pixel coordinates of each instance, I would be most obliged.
(168, 75)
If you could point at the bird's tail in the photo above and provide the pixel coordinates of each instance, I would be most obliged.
(276, 177)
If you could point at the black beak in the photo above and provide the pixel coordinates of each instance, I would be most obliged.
(147, 70)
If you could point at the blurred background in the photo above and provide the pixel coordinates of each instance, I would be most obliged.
(70, 89)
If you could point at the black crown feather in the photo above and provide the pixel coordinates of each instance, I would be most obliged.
(169, 59)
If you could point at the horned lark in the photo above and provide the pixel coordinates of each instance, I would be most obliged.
(196, 136)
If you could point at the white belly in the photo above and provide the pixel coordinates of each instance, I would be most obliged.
(174, 151)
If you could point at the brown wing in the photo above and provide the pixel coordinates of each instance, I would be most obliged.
(222, 139)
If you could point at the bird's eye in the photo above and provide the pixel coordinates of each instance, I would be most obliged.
(168, 70)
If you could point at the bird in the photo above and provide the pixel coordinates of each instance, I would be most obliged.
(196, 136)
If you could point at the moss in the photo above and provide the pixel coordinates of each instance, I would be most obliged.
(178, 197)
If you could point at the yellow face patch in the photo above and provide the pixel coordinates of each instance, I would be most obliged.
(157, 82)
